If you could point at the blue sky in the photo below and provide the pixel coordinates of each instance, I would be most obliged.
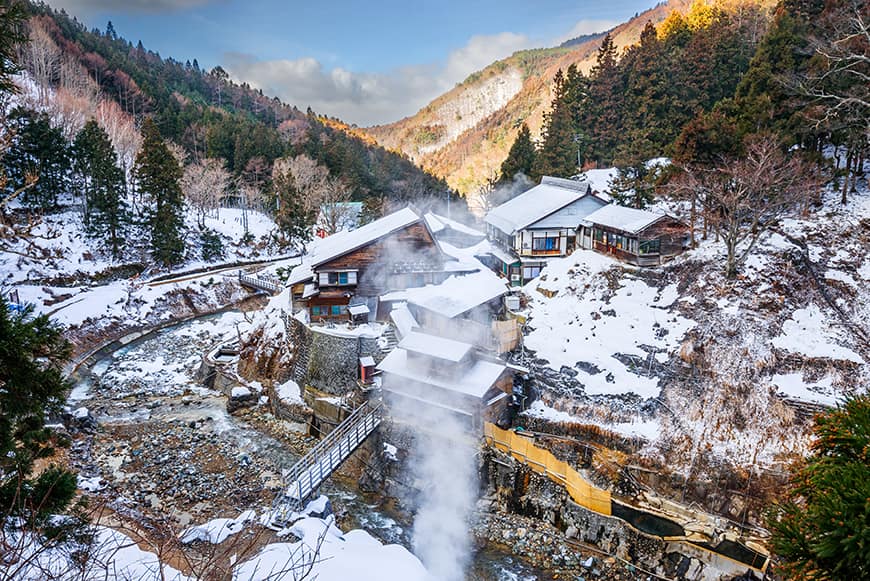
(366, 62)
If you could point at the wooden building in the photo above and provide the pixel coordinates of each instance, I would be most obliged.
(428, 375)
(634, 236)
(395, 252)
(539, 224)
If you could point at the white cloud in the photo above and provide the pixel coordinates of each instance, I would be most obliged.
(584, 27)
(369, 98)
(136, 6)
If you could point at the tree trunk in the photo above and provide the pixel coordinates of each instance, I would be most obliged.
(846, 177)
(692, 221)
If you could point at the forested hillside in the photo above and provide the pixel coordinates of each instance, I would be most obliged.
(211, 116)
(145, 150)
(699, 88)
(464, 135)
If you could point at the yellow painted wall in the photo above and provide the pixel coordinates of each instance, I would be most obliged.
(543, 462)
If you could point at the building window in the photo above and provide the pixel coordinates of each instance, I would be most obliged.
(315, 311)
(598, 235)
(530, 272)
(337, 310)
(547, 243)
(650, 247)
(338, 278)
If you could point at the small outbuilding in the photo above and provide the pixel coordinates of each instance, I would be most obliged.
(636, 236)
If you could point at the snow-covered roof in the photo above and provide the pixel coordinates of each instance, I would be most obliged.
(326, 249)
(300, 273)
(571, 215)
(458, 294)
(437, 223)
(476, 380)
(434, 346)
(629, 220)
(358, 310)
(367, 361)
(403, 319)
(542, 200)
(503, 255)
(340, 244)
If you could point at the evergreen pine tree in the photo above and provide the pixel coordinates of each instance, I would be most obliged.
(602, 112)
(521, 156)
(159, 175)
(821, 530)
(294, 222)
(102, 186)
(41, 150)
(558, 155)
(32, 351)
(12, 33)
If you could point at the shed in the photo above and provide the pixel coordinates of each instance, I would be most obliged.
(358, 314)
(367, 369)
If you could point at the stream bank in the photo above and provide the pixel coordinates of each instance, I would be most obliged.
(155, 445)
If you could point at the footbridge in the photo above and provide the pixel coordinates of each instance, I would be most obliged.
(306, 476)
(269, 284)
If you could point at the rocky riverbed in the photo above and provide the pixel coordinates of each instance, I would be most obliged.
(149, 441)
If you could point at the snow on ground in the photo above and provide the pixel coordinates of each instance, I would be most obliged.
(66, 250)
(643, 428)
(809, 332)
(334, 556)
(600, 179)
(330, 554)
(587, 322)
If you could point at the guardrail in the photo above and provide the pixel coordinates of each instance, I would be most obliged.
(269, 284)
(323, 459)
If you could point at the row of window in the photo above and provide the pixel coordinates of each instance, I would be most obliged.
(338, 278)
(328, 311)
(631, 245)
(546, 243)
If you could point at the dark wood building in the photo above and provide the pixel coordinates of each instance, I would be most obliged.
(635, 236)
(354, 268)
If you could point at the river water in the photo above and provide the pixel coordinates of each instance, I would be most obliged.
(163, 434)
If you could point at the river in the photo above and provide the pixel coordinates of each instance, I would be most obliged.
(167, 444)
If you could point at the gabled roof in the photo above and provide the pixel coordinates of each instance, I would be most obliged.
(569, 216)
(435, 347)
(550, 195)
(629, 220)
(474, 381)
(342, 243)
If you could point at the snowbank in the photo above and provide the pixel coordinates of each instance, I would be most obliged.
(333, 556)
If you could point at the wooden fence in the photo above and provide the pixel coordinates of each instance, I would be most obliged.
(543, 462)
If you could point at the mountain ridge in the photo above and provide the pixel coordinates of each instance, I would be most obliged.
(467, 158)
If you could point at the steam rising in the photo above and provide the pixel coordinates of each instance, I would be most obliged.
(446, 467)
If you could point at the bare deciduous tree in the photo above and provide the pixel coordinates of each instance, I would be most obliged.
(336, 214)
(122, 131)
(744, 197)
(309, 179)
(41, 57)
(205, 184)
